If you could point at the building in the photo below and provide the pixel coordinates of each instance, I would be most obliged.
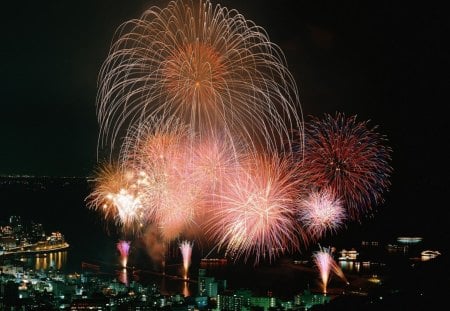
(308, 299)
(348, 254)
(208, 286)
(263, 302)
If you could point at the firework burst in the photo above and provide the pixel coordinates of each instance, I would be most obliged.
(204, 65)
(320, 211)
(117, 196)
(209, 109)
(172, 195)
(215, 158)
(255, 214)
(349, 158)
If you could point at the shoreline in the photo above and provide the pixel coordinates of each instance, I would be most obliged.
(47, 249)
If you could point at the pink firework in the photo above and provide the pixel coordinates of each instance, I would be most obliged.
(256, 213)
(186, 252)
(215, 158)
(320, 211)
(171, 192)
(349, 158)
(123, 247)
(324, 261)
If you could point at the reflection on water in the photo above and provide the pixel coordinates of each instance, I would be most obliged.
(55, 260)
(362, 267)
(123, 276)
(186, 291)
(350, 266)
(168, 284)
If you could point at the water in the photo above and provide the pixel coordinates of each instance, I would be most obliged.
(59, 204)
(45, 262)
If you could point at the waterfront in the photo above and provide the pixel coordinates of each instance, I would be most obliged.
(283, 278)
(39, 248)
(59, 205)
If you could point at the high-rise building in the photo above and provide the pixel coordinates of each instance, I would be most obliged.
(37, 232)
(208, 286)
(17, 226)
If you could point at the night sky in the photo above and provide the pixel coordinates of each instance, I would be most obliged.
(384, 62)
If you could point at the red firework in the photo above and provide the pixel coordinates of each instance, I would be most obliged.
(348, 157)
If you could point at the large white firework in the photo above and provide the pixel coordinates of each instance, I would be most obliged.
(205, 65)
(256, 210)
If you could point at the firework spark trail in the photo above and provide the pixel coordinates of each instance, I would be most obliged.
(320, 211)
(324, 261)
(123, 247)
(186, 252)
(349, 158)
(256, 214)
(205, 65)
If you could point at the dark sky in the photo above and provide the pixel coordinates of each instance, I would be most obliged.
(382, 61)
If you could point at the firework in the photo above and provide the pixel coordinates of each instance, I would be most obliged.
(195, 87)
(123, 247)
(171, 193)
(155, 143)
(349, 158)
(256, 213)
(324, 261)
(186, 252)
(215, 158)
(117, 196)
(320, 211)
(204, 65)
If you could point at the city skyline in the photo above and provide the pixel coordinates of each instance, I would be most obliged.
(376, 62)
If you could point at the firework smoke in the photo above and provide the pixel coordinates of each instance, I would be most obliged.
(154, 247)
